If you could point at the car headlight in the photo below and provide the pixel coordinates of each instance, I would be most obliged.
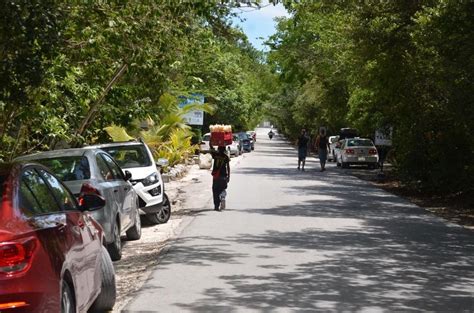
(151, 179)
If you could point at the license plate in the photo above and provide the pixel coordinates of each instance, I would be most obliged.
(361, 158)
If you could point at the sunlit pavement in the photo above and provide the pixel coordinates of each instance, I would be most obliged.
(293, 241)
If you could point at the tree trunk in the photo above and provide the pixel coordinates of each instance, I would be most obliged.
(95, 106)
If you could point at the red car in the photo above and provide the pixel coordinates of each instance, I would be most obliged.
(52, 257)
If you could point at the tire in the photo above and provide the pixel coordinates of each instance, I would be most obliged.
(344, 165)
(135, 232)
(163, 215)
(68, 303)
(115, 247)
(105, 301)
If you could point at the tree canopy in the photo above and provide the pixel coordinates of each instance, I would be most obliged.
(378, 64)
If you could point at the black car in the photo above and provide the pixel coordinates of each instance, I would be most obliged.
(348, 133)
(247, 142)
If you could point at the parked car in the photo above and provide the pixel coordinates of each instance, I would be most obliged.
(136, 157)
(253, 134)
(247, 142)
(332, 145)
(93, 171)
(52, 254)
(204, 146)
(234, 148)
(357, 151)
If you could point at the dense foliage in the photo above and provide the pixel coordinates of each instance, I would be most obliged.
(71, 69)
(378, 64)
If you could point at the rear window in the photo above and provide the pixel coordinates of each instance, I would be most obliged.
(206, 137)
(68, 168)
(129, 156)
(359, 143)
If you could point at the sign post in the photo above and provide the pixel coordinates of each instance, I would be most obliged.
(193, 117)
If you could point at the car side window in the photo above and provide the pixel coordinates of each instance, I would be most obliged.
(35, 196)
(116, 171)
(104, 170)
(63, 196)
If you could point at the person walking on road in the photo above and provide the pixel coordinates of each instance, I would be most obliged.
(322, 144)
(220, 176)
(303, 140)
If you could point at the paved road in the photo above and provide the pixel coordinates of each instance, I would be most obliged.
(295, 241)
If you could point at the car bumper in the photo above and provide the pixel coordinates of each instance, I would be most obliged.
(361, 160)
(150, 195)
(36, 291)
(151, 209)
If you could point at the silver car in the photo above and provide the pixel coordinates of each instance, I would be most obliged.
(92, 170)
(357, 151)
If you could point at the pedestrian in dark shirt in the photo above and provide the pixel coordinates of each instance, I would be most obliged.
(322, 144)
(220, 176)
(303, 140)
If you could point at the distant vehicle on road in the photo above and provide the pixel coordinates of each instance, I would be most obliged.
(348, 133)
(253, 134)
(93, 171)
(234, 148)
(204, 146)
(52, 255)
(357, 151)
(247, 142)
(136, 157)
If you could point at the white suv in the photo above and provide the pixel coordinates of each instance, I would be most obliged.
(136, 157)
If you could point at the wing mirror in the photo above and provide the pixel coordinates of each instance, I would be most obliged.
(91, 202)
(127, 175)
(162, 163)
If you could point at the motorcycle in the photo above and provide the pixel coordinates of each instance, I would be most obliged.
(270, 135)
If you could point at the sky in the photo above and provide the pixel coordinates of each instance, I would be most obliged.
(260, 23)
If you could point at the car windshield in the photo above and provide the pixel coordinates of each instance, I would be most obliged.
(333, 139)
(359, 143)
(68, 168)
(206, 137)
(129, 156)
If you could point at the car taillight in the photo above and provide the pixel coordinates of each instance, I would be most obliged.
(349, 151)
(89, 189)
(13, 305)
(16, 256)
(373, 151)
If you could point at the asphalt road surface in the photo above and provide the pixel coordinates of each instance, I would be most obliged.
(293, 241)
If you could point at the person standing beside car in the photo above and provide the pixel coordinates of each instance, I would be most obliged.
(322, 144)
(220, 176)
(302, 143)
